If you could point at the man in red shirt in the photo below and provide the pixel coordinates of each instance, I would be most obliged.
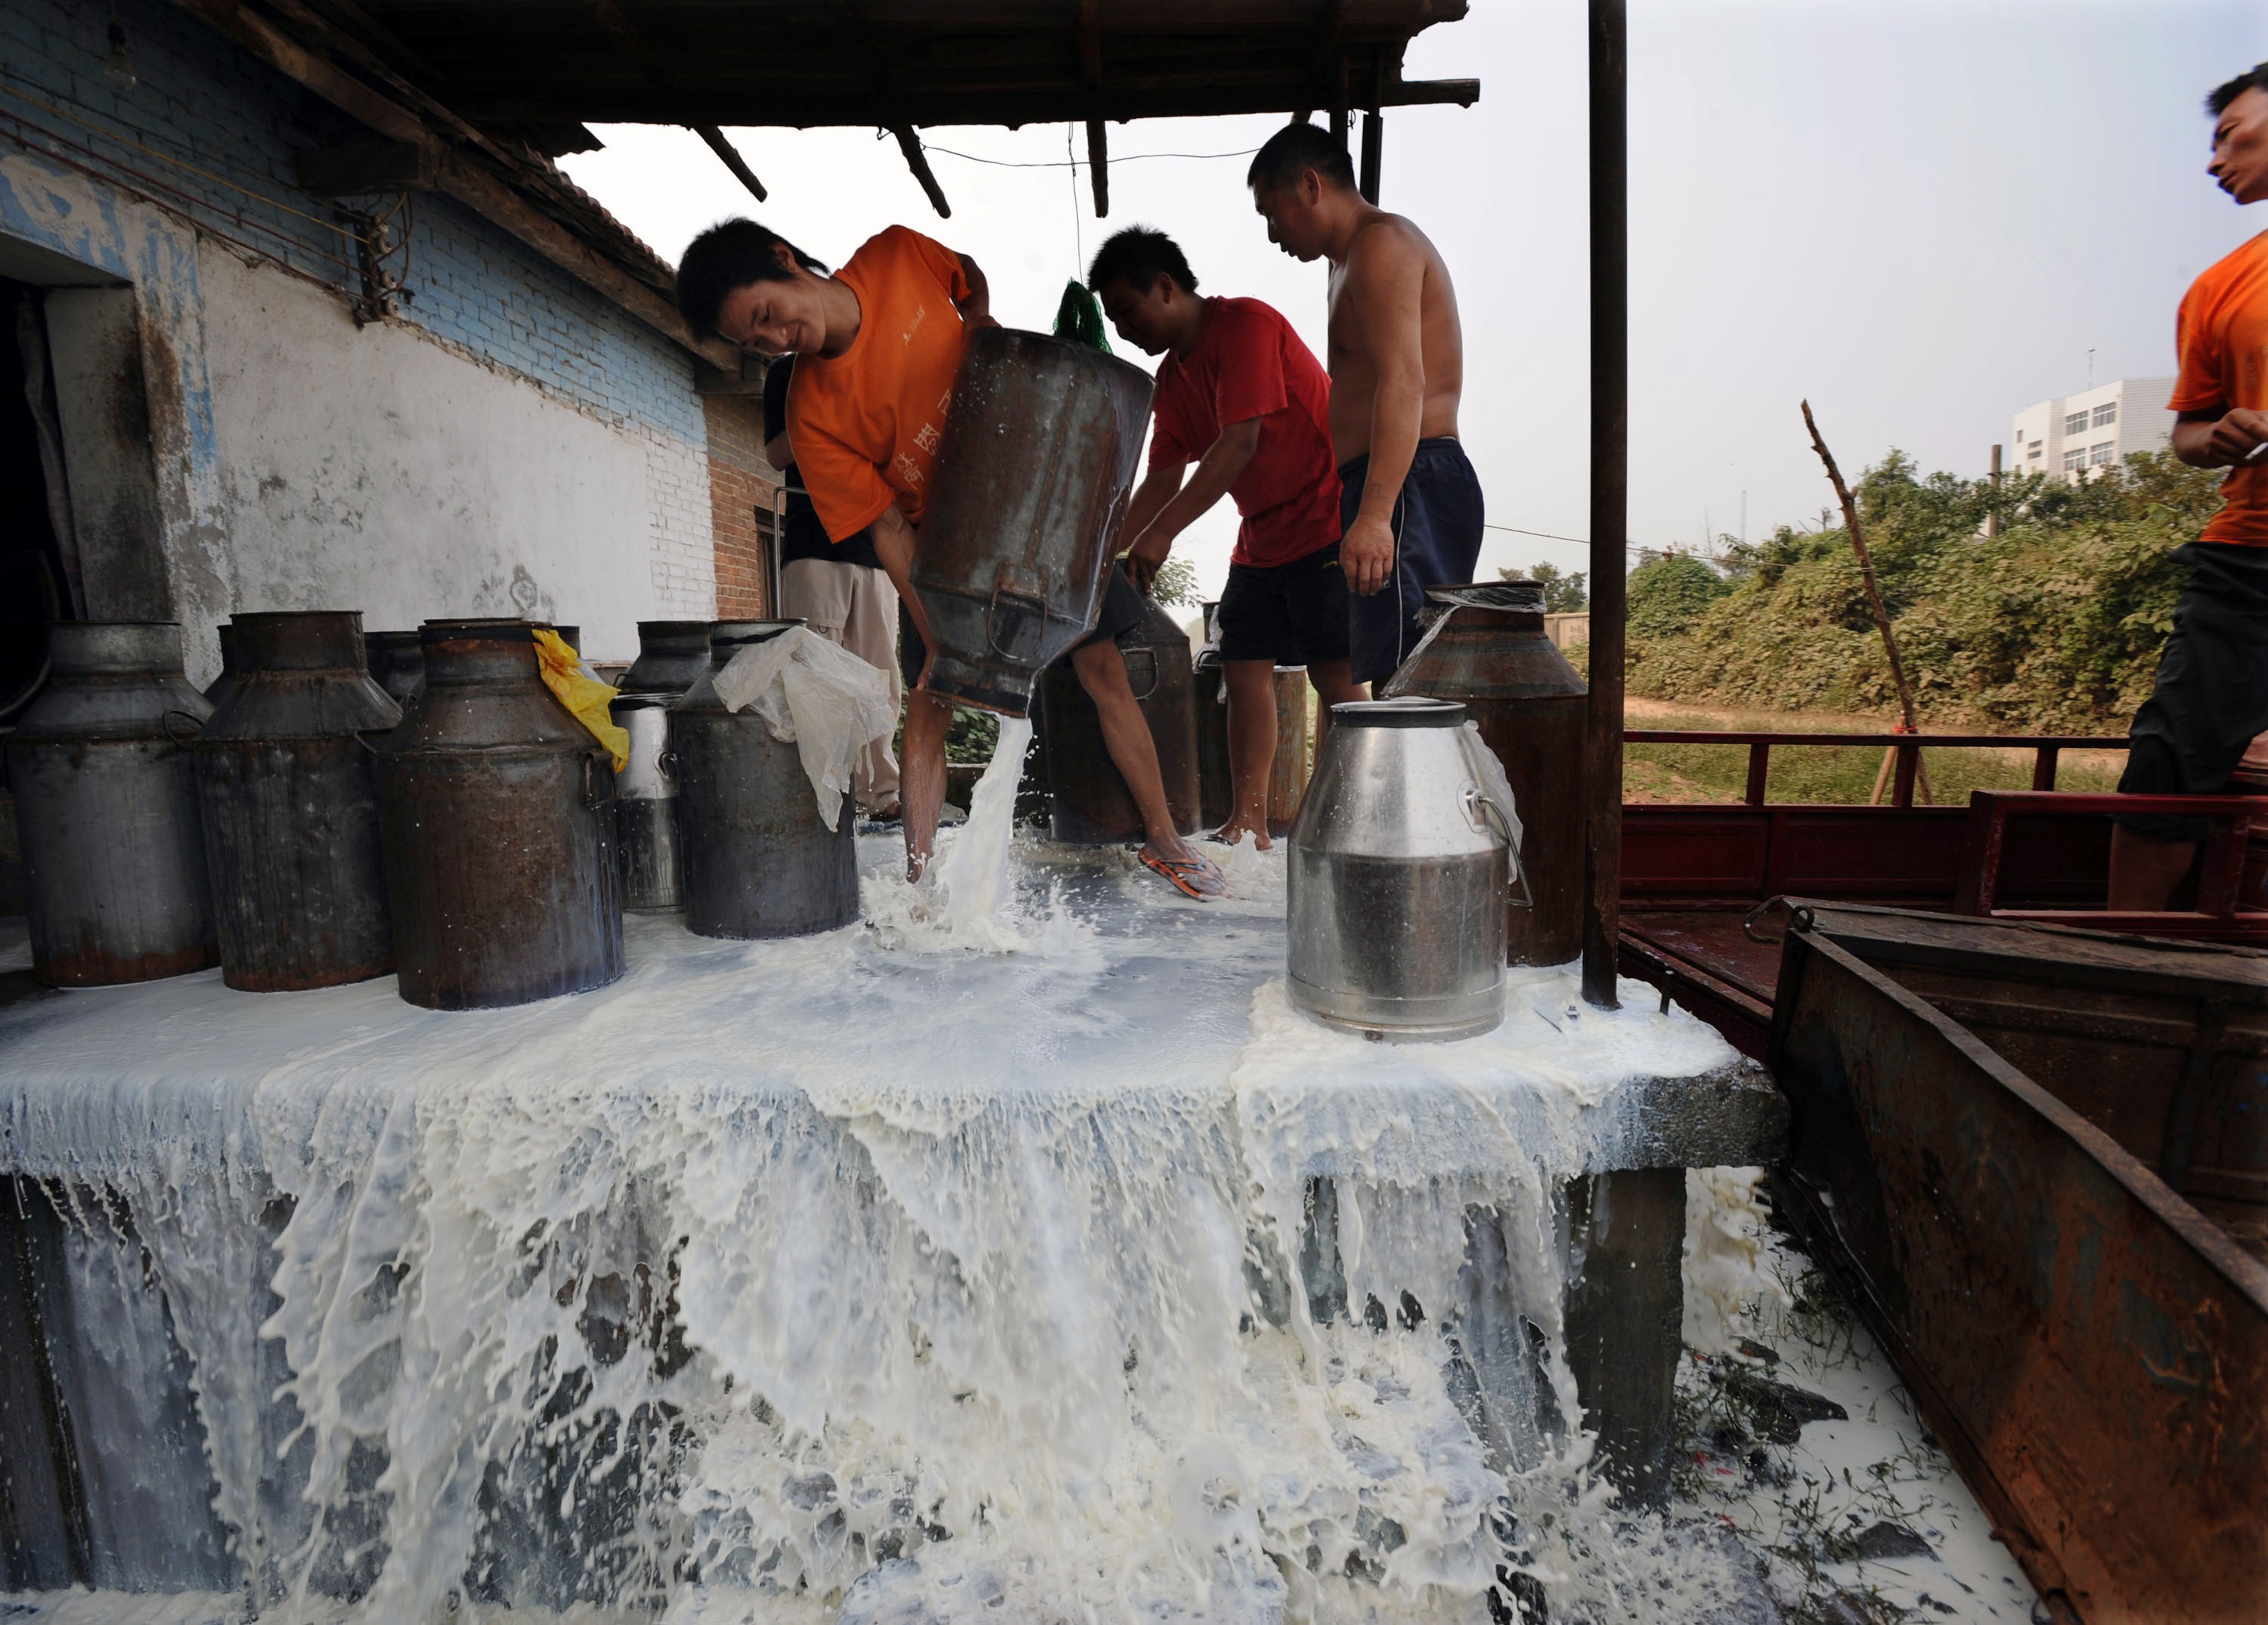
(2210, 698)
(1242, 397)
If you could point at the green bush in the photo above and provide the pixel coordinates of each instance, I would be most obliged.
(2054, 624)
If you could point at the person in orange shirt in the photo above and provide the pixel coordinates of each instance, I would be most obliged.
(878, 347)
(2211, 697)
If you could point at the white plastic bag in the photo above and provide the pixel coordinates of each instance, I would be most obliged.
(1488, 773)
(821, 698)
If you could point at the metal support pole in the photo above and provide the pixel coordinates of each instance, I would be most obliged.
(1609, 495)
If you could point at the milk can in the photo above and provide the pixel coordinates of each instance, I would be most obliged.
(1400, 861)
(1287, 772)
(107, 808)
(223, 684)
(672, 656)
(498, 811)
(288, 788)
(758, 860)
(1216, 798)
(396, 662)
(1088, 802)
(1489, 651)
(1032, 482)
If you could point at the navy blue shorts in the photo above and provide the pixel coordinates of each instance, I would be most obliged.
(1437, 543)
(1121, 613)
(2212, 692)
(1291, 615)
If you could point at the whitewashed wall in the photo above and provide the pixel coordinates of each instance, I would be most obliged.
(379, 469)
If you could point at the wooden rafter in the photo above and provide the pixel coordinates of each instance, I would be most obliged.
(909, 143)
(732, 159)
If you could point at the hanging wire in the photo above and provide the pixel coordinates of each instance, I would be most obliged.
(1115, 157)
(1078, 227)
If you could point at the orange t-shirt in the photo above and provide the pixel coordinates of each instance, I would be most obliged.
(2222, 337)
(866, 423)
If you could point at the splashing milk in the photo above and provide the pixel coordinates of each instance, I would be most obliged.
(845, 1279)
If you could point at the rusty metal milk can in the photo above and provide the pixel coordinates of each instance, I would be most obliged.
(1287, 773)
(498, 811)
(1032, 482)
(225, 685)
(1089, 804)
(396, 661)
(288, 788)
(758, 859)
(107, 808)
(1489, 652)
(672, 655)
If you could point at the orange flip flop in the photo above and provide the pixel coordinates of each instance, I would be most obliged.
(1195, 876)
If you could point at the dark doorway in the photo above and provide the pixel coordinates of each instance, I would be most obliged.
(34, 588)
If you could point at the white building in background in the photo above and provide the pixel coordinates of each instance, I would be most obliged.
(2104, 426)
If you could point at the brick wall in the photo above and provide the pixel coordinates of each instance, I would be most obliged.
(741, 488)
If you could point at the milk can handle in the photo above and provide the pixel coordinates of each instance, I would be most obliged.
(1492, 815)
(165, 722)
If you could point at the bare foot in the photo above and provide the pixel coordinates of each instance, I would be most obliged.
(1234, 831)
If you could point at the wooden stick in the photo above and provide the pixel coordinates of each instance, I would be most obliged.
(722, 148)
(1098, 166)
(911, 145)
(1873, 591)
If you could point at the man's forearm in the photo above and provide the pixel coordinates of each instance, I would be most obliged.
(1217, 470)
(1396, 410)
(1150, 499)
(894, 537)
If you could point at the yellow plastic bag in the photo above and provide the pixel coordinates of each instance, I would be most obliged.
(584, 696)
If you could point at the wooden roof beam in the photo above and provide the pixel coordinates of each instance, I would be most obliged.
(909, 143)
(732, 160)
(475, 178)
(1090, 71)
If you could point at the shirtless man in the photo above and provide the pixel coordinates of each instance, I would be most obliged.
(1410, 506)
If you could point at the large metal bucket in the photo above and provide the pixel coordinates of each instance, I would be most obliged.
(1032, 482)
(758, 859)
(289, 792)
(1088, 803)
(107, 808)
(1489, 652)
(1398, 872)
(498, 815)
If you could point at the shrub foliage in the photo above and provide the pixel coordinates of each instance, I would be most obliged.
(2054, 624)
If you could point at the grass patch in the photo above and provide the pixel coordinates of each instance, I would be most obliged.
(1836, 773)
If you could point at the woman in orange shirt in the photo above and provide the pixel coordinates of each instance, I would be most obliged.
(877, 346)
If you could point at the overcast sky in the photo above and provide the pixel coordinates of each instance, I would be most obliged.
(1921, 215)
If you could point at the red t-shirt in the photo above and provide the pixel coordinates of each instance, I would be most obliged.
(1250, 363)
(2221, 335)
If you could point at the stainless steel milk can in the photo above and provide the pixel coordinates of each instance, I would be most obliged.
(1032, 482)
(499, 830)
(288, 787)
(758, 859)
(107, 808)
(672, 656)
(1400, 862)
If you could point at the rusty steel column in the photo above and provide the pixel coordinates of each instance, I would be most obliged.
(1610, 493)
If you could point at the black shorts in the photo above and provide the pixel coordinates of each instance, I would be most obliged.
(1437, 543)
(2211, 693)
(1291, 615)
(1122, 612)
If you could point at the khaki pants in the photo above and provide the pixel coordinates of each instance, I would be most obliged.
(856, 607)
